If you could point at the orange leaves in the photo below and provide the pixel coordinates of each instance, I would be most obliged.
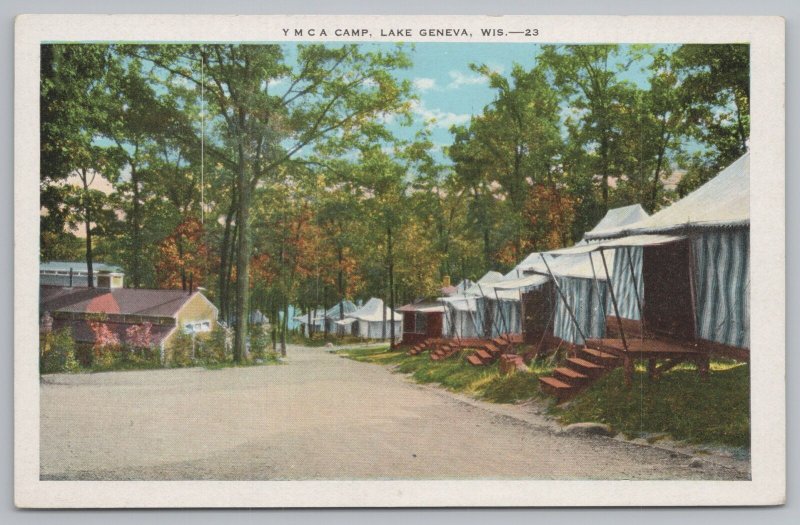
(549, 213)
(184, 252)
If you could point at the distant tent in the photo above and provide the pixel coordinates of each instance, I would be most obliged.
(368, 321)
(320, 317)
(462, 319)
(500, 307)
(256, 317)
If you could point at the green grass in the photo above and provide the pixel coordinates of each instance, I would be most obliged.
(319, 339)
(679, 404)
(456, 374)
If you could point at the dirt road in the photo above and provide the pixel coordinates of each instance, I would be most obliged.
(319, 416)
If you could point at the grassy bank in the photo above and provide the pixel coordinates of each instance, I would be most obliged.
(679, 405)
(456, 374)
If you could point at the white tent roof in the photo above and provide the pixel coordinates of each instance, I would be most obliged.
(332, 313)
(615, 219)
(479, 287)
(463, 285)
(373, 310)
(461, 302)
(722, 201)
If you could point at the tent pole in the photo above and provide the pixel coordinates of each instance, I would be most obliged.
(563, 298)
(628, 363)
(597, 290)
(445, 323)
(635, 288)
(503, 317)
(492, 319)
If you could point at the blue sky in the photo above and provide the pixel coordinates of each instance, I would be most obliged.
(450, 93)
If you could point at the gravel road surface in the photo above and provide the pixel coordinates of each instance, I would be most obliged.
(318, 416)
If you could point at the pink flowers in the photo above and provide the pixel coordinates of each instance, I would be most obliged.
(138, 335)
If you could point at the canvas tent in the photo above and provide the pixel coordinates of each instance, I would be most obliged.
(321, 317)
(581, 286)
(373, 321)
(707, 267)
(499, 307)
(462, 320)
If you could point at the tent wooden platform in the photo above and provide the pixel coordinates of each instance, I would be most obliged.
(654, 350)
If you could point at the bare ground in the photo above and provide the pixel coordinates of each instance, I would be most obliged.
(319, 416)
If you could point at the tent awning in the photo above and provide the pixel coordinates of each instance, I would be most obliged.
(346, 322)
(426, 307)
(431, 309)
(622, 242)
(529, 281)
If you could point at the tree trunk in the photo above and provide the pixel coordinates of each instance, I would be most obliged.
(136, 226)
(740, 125)
(225, 263)
(87, 214)
(340, 286)
(391, 290)
(656, 176)
(604, 170)
(273, 312)
(242, 256)
(284, 327)
(325, 313)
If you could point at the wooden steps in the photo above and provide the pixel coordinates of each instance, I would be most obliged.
(486, 351)
(556, 388)
(570, 376)
(578, 372)
(585, 367)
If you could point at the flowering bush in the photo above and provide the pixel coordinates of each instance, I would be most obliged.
(138, 335)
(106, 344)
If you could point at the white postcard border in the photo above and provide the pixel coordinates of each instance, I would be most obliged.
(766, 36)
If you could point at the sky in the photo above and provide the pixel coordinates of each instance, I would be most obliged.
(450, 93)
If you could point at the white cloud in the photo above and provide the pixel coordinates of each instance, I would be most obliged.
(274, 82)
(437, 117)
(459, 79)
(424, 83)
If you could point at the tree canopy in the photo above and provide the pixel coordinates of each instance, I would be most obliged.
(268, 174)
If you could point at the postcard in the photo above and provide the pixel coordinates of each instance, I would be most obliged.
(399, 261)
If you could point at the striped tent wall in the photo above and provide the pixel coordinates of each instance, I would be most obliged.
(621, 279)
(506, 316)
(587, 305)
(722, 286)
(374, 329)
(462, 324)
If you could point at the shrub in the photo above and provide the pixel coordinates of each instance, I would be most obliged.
(57, 352)
(259, 341)
(211, 348)
(181, 350)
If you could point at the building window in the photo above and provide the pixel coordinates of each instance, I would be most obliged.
(197, 327)
(420, 322)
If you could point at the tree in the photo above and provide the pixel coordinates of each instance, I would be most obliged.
(331, 90)
(586, 76)
(71, 85)
(716, 91)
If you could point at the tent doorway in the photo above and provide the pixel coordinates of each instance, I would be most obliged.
(538, 307)
(669, 302)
